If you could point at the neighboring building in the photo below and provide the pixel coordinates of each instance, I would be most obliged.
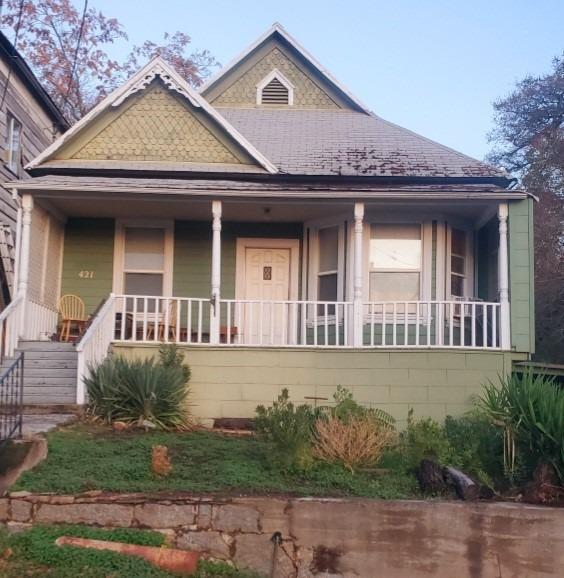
(29, 122)
(283, 233)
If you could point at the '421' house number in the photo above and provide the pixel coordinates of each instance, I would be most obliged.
(86, 274)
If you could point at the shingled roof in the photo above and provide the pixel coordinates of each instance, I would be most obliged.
(347, 143)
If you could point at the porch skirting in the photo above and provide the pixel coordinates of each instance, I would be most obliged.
(231, 382)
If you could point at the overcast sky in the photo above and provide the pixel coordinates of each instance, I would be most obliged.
(433, 66)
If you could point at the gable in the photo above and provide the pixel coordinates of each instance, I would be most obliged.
(155, 125)
(155, 121)
(239, 88)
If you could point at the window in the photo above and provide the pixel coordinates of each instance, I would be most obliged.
(275, 89)
(395, 256)
(144, 261)
(14, 143)
(458, 262)
(328, 269)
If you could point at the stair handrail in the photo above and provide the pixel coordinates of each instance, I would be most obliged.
(11, 401)
(94, 344)
(10, 325)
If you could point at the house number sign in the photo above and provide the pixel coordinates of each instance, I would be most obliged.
(86, 274)
(267, 273)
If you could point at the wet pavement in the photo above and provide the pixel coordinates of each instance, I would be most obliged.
(41, 423)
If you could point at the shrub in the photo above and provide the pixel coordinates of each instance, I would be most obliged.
(530, 409)
(475, 447)
(289, 428)
(470, 443)
(424, 438)
(140, 390)
(346, 407)
(171, 357)
(354, 442)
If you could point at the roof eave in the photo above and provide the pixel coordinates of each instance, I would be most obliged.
(27, 76)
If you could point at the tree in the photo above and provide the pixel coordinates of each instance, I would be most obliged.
(529, 141)
(67, 49)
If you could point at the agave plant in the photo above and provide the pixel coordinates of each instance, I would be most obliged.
(138, 391)
(531, 409)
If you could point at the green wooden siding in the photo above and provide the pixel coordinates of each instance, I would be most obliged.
(521, 272)
(487, 243)
(192, 253)
(88, 248)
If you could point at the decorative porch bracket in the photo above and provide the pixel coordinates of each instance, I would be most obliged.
(503, 279)
(358, 276)
(215, 311)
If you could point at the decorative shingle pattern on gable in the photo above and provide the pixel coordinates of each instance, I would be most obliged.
(158, 127)
(243, 91)
(314, 142)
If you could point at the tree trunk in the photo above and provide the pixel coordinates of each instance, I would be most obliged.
(466, 488)
(430, 477)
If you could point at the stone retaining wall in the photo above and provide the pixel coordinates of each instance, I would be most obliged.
(323, 537)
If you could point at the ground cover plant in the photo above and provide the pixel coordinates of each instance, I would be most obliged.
(300, 450)
(202, 462)
(33, 554)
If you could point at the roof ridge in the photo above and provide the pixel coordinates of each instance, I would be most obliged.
(277, 28)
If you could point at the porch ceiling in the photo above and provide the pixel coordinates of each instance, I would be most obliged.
(259, 210)
(78, 196)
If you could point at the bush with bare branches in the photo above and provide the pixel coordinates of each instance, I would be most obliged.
(355, 443)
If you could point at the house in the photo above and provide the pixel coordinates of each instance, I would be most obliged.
(284, 235)
(29, 122)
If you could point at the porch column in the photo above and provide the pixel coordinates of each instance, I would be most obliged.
(215, 309)
(503, 279)
(23, 266)
(358, 275)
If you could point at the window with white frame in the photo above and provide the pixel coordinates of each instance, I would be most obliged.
(144, 261)
(458, 262)
(13, 143)
(328, 264)
(395, 262)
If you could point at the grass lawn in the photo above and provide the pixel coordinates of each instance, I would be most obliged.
(34, 554)
(93, 458)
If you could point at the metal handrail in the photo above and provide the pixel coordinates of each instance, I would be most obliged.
(11, 400)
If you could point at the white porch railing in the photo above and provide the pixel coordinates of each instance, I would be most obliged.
(40, 321)
(95, 343)
(279, 323)
(140, 318)
(468, 324)
(286, 323)
(10, 323)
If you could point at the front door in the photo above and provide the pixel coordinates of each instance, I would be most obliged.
(267, 279)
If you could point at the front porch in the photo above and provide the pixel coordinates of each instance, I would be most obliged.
(290, 275)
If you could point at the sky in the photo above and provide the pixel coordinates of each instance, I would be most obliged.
(433, 66)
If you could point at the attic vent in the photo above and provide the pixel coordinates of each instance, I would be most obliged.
(275, 89)
(275, 93)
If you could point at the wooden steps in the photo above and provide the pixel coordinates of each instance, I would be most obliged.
(50, 372)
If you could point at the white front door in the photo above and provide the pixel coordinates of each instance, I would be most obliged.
(267, 278)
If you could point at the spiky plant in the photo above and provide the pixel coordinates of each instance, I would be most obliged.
(138, 391)
(531, 407)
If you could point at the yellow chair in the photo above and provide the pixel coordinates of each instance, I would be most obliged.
(159, 323)
(72, 312)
